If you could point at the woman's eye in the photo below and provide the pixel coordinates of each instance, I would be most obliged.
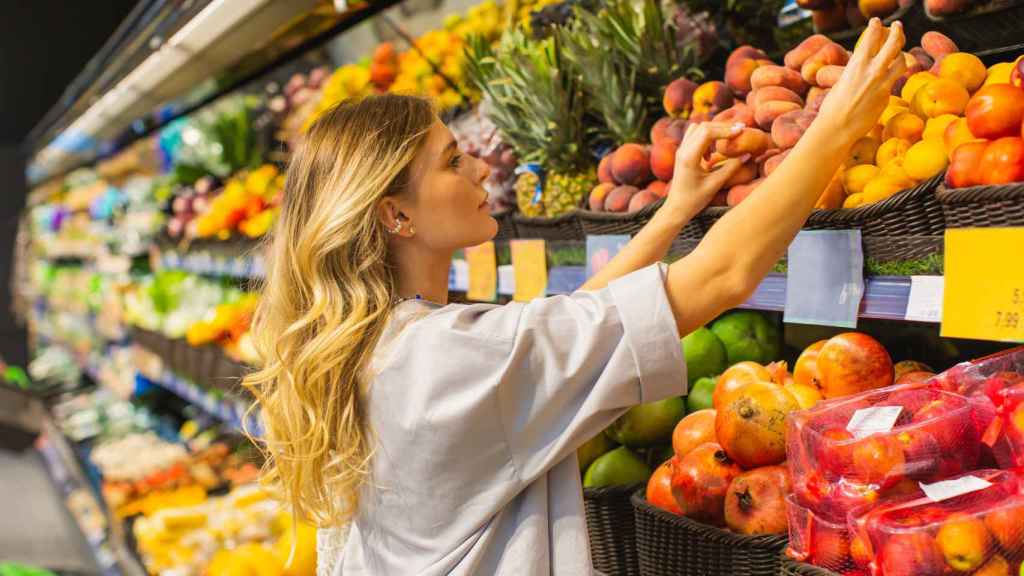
(455, 161)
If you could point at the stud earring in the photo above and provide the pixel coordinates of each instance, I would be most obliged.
(412, 230)
(397, 228)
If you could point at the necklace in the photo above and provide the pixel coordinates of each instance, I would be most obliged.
(417, 298)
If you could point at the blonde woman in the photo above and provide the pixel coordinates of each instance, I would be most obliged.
(444, 435)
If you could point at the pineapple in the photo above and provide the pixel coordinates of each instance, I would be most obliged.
(537, 104)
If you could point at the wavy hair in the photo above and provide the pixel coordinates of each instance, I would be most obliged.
(326, 299)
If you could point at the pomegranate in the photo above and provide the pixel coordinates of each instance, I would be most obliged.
(692, 431)
(659, 488)
(756, 501)
(852, 362)
(752, 426)
(700, 481)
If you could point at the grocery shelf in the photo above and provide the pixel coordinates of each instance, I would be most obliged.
(885, 297)
(232, 411)
(107, 538)
(208, 263)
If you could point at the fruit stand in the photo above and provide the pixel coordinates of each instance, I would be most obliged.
(861, 413)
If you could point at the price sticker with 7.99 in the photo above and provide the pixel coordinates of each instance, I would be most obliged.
(984, 293)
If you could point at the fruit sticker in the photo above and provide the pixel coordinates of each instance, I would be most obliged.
(529, 261)
(984, 294)
(483, 272)
(946, 489)
(877, 419)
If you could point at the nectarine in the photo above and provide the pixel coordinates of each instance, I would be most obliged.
(996, 111)
(1003, 161)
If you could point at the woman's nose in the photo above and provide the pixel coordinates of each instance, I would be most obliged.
(484, 170)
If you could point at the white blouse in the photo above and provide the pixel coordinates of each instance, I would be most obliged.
(477, 412)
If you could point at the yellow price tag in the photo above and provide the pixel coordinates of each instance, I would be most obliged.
(483, 272)
(984, 295)
(529, 261)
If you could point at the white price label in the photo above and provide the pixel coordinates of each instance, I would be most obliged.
(924, 304)
(506, 280)
(946, 489)
(460, 275)
(877, 419)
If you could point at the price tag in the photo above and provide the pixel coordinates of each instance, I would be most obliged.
(483, 272)
(601, 249)
(946, 489)
(874, 420)
(529, 261)
(825, 278)
(984, 294)
(506, 280)
(924, 304)
(458, 276)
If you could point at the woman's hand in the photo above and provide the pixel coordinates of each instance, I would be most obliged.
(854, 104)
(693, 187)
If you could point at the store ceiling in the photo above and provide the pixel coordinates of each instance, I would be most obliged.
(44, 44)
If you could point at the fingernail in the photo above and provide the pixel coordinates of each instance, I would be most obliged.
(875, 21)
(745, 158)
(738, 127)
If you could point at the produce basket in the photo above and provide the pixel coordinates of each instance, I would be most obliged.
(598, 223)
(506, 224)
(912, 16)
(913, 212)
(710, 215)
(983, 206)
(671, 545)
(791, 567)
(564, 227)
(611, 528)
(894, 248)
(992, 24)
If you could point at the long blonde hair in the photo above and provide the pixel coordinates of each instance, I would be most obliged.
(327, 296)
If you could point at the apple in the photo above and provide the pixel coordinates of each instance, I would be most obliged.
(964, 542)
(878, 460)
(912, 554)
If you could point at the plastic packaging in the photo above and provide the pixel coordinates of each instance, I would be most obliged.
(852, 451)
(817, 540)
(970, 524)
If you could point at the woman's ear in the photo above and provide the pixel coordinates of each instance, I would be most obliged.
(391, 216)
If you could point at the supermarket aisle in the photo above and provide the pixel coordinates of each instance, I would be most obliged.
(35, 527)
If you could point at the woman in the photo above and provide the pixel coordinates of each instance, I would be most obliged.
(445, 435)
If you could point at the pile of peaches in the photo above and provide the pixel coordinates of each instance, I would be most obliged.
(729, 463)
(831, 16)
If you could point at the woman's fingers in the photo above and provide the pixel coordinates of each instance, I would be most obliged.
(895, 71)
(890, 50)
(699, 139)
(868, 44)
(721, 173)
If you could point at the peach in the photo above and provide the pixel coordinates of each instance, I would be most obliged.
(659, 131)
(738, 75)
(778, 76)
(772, 93)
(880, 188)
(863, 151)
(766, 113)
(938, 97)
(1017, 74)
(965, 68)
(915, 83)
(998, 73)
(1003, 161)
(853, 201)
(833, 195)
(996, 566)
(604, 170)
(877, 8)
(677, 129)
(745, 52)
(946, 7)
(913, 65)
(739, 193)
(598, 195)
(789, 127)
(619, 197)
(905, 125)
(828, 76)
(658, 188)
(926, 159)
(922, 57)
(749, 141)
(815, 98)
(641, 199)
(936, 127)
(795, 58)
(721, 198)
(937, 44)
(857, 177)
(831, 18)
(854, 17)
(891, 149)
(739, 112)
(631, 164)
(957, 133)
(964, 163)
(772, 163)
(711, 98)
(678, 98)
(663, 159)
(887, 114)
(747, 173)
(996, 111)
(832, 53)
(937, 65)
(896, 171)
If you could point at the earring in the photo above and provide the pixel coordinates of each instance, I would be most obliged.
(397, 228)
(412, 230)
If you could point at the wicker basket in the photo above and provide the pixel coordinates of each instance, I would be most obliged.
(913, 212)
(983, 206)
(611, 528)
(912, 16)
(506, 224)
(671, 545)
(710, 215)
(992, 24)
(791, 567)
(598, 223)
(564, 227)
(895, 248)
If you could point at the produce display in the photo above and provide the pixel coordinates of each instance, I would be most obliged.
(837, 15)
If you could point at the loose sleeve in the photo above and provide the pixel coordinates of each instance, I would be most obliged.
(578, 362)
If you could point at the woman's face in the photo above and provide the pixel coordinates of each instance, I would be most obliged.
(449, 207)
